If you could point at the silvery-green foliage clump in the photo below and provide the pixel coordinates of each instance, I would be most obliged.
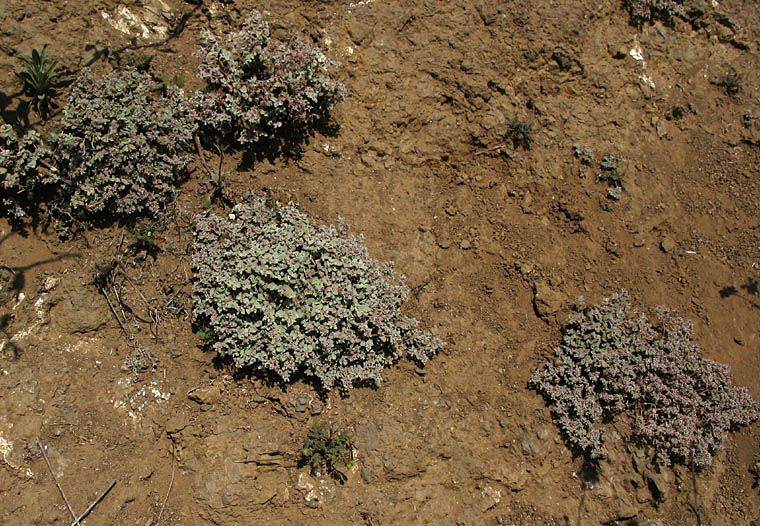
(609, 363)
(276, 293)
(646, 10)
(22, 176)
(258, 85)
(123, 148)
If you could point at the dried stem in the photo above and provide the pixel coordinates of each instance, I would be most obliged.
(50, 467)
(94, 503)
(171, 483)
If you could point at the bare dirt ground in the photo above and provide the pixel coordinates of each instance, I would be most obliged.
(497, 242)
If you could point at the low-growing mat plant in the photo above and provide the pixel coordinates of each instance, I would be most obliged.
(25, 172)
(259, 87)
(647, 10)
(280, 295)
(612, 363)
(124, 146)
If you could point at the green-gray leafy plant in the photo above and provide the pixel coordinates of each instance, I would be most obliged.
(258, 86)
(280, 295)
(611, 363)
(586, 155)
(611, 170)
(25, 172)
(123, 148)
(646, 10)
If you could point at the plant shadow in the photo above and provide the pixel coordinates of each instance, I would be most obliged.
(750, 288)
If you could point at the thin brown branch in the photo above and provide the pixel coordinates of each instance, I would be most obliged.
(50, 467)
(171, 483)
(94, 503)
(492, 148)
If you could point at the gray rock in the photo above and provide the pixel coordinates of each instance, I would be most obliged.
(322, 494)
(83, 310)
(524, 268)
(207, 395)
(358, 30)
(547, 301)
(7, 290)
(488, 13)
(659, 484)
(367, 438)
(176, 423)
(624, 510)
(668, 245)
(317, 408)
(532, 447)
(301, 404)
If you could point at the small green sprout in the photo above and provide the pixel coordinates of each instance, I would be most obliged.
(611, 170)
(40, 77)
(327, 451)
(520, 133)
(177, 81)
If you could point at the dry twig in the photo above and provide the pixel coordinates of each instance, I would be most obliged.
(171, 483)
(492, 148)
(50, 467)
(94, 503)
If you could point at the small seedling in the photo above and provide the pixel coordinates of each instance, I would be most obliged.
(748, 119)
(586, 155)
(177, 81)
(144, 236)
(611, 170)
(40, 77)
(732, 83)
(328, 451)
(676, 113)
(206, 335)
(139, 62)
(217, 179)
(218, 182)
(520, 133)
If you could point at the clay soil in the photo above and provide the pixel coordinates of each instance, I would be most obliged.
(497, 241)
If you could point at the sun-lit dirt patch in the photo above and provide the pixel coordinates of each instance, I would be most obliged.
(641, 173)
